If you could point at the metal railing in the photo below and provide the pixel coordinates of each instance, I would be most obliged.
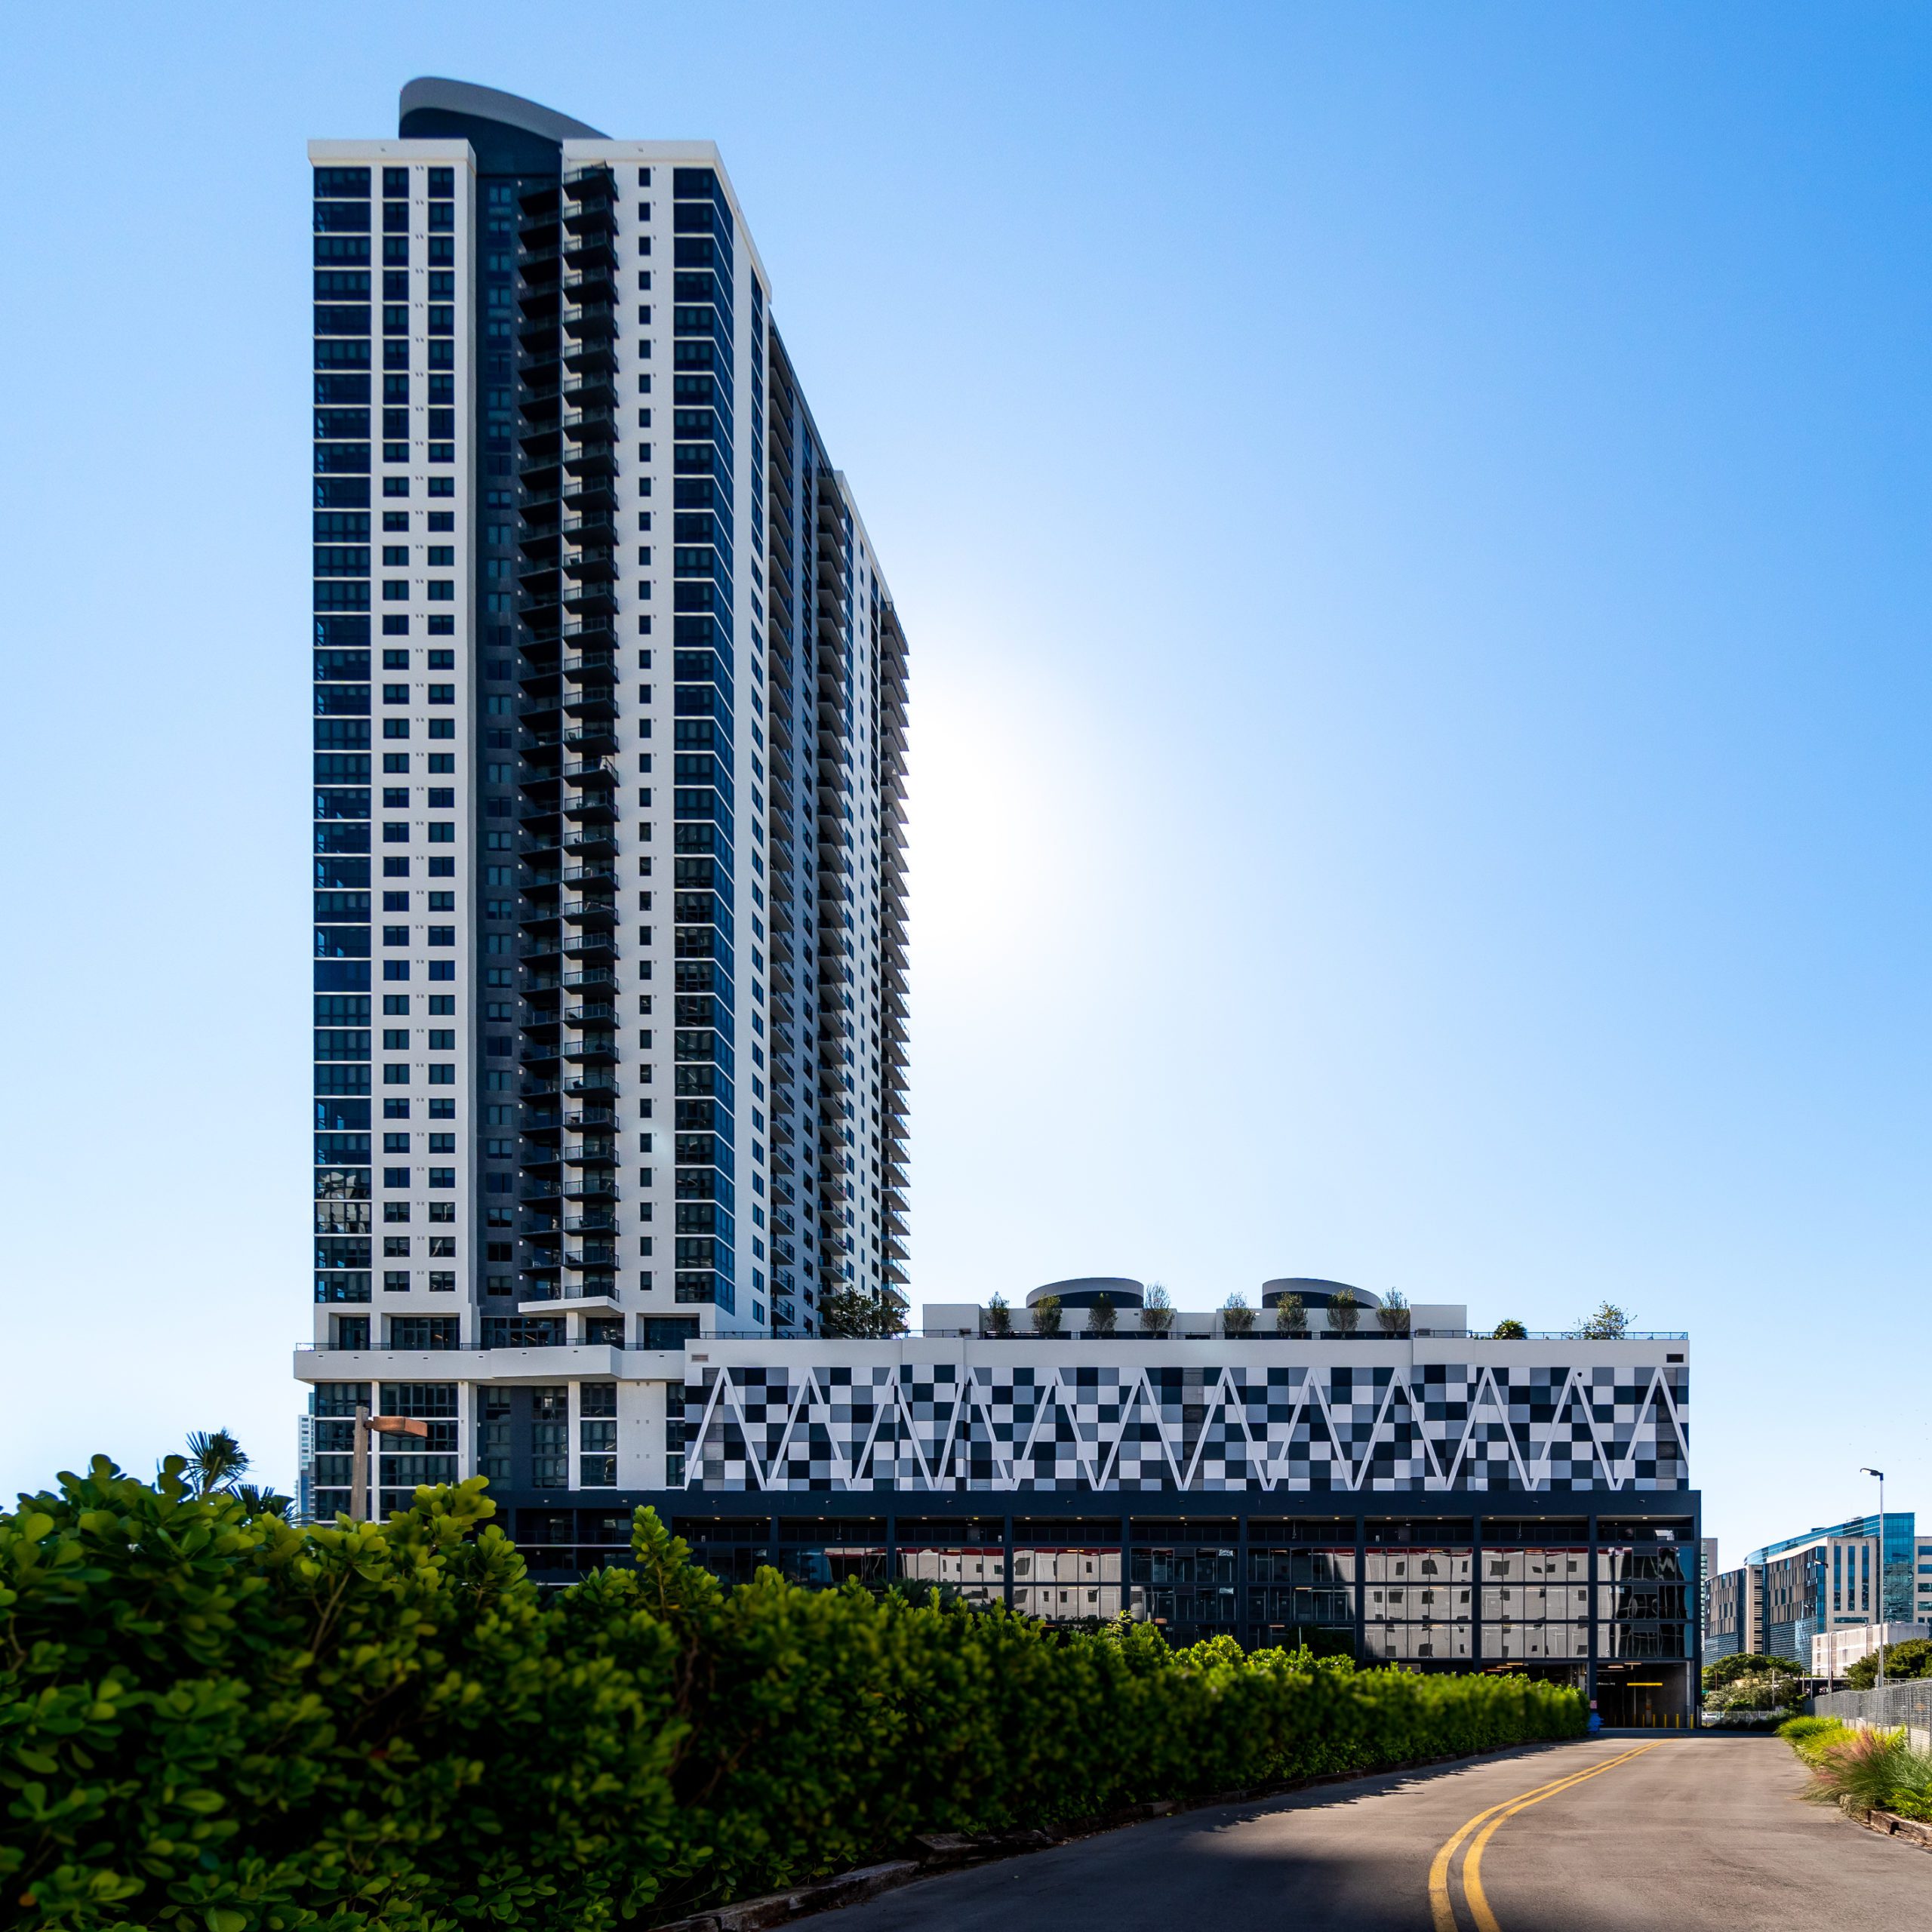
(932, 1333)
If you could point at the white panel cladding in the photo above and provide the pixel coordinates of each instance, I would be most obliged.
(1206, 1418)
(640, 1412)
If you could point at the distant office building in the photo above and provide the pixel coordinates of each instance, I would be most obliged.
(609, 763)
(305, 1469)
(1789, 1593)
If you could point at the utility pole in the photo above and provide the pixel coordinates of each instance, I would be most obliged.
(359, 1488)
(1879, 1644)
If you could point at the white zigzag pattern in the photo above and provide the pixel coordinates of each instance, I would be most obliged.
(895, 1445)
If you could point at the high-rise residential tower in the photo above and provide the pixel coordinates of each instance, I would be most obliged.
(610, 763)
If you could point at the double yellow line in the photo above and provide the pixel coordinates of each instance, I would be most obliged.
(1485, 1824)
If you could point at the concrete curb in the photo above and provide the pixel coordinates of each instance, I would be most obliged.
(941, 1852)
(1887, 1824)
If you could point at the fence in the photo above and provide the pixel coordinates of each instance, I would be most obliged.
(1909, 1704)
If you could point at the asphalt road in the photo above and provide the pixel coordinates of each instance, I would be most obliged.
(1696, 1832)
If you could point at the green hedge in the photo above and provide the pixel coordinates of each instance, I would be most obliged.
(222, 1723)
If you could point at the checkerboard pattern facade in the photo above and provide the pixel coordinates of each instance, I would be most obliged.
(951, 1426)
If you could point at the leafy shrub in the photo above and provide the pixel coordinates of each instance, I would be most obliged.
(1608, 1323)
(1801, 1732)
(1237, 1317)
(213, 1722)
(1291, 1315)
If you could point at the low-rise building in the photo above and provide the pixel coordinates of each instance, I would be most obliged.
(1407, 1490)
(1834, 1652)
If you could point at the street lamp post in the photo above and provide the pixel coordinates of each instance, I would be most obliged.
(1879, 1644)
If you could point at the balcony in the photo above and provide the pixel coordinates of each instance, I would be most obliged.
(594, 322)
(594, 1083)
(589, 912)
(604, 1012)
(583, 806)
(588, 462)
(590, 426)
(537, 335)
(598, 1220)
(598, 1255)
(593, 1183)
(594, 248)
(590, 735)
(592, 1120)
(598, 771)
(592, 701)
(596, 490)
(598, 667)
(595, 215)
(595, 976)
(585, 874)
(590, 389)
(592, 943)
(593, 839)
(592, 1050)
(590, 596)
(588, 636)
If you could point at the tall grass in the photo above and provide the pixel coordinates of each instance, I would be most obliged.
(1862, 1771)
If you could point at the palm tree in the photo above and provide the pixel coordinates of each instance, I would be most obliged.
(262, 1501)
(215, 1461)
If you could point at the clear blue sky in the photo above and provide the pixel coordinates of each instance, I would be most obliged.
(1412, 523)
